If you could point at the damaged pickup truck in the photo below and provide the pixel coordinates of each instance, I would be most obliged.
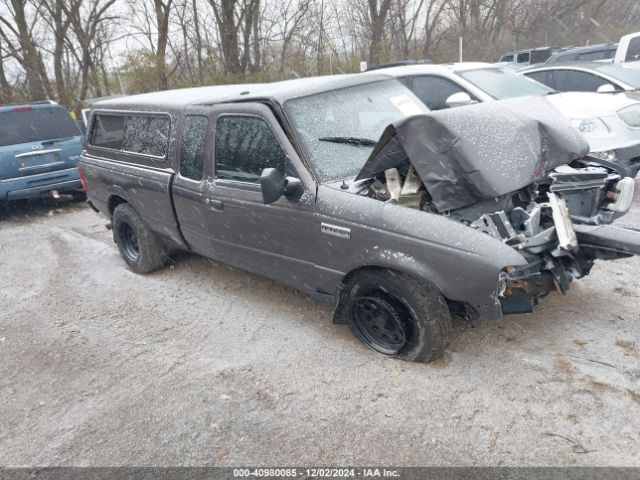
(349, 189)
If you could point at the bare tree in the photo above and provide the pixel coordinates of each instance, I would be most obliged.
(59, 23)
(86, 17)
(25, 51)
(378, 13)
(163, 11)
(5, 88)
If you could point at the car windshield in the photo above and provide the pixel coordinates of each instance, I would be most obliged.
(338, 129)
(626, 75)
(24, 125)
(501, 84)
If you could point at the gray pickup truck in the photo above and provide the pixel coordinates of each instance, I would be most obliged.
(349, 189)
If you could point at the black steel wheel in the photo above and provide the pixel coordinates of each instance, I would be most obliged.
(396, 314)
(140, 248)
(129, 242)
(382, 322)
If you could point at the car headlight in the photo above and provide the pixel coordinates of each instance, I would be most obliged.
(622, 195)
(630, 115)
(590, 127)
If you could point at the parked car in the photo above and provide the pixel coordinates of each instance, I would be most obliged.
(628, 51)
(349, 189)
(603, 52)
(610, 136)
(585, 77)
(39, 149)
(527, 57)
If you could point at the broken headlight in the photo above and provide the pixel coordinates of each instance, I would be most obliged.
(590, 127)
(621, 195)
(630, 115)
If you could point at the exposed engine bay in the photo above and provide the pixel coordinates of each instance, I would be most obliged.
(539, 220)
(557, 216)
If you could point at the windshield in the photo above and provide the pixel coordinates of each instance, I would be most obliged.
(338, 129)
(501, 84)
(627, 75)
(24, 126)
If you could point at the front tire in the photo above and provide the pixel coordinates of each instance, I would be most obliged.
(141, 249)
(397, 315)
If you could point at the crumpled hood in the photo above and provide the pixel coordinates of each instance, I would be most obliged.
(590, 104)
(467, 154)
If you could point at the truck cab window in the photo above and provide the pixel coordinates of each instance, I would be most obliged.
(244, 146)
(192, 148)
(633, 52)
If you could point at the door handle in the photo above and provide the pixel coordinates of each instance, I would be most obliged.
(215, 205)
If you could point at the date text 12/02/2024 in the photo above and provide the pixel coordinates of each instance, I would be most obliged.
(315, 472)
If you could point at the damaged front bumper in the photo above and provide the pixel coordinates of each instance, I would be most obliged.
(581, 204)
(556, 270)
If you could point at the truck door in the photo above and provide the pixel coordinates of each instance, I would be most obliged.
(190, 190)
(275, 240)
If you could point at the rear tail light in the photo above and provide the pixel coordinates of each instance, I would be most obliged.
(21, 109)
(82, 179)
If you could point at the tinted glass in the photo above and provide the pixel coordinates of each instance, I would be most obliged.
(23, 126)
(146, 134)
(545, 78)
(108, 131)
(540, 56)
(596, 55)
(626, 75)
(633, 52)
(434, 91)
(501, 83)
(361, 112)
(523, 57)
(507, 58)
(576, 81)
(244, 147)
(192, 148)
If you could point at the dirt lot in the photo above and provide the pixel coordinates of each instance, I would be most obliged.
(201, 364)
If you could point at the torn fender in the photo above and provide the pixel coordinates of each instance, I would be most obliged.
(467, 154)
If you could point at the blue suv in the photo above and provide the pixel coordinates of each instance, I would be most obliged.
(39, 148)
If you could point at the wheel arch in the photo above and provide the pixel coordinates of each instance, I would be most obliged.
(423, 275)
(114, 201)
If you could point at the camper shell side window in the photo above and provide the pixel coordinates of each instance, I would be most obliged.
(144, 134)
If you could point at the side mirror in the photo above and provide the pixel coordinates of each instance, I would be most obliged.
(606, 88)
(274, 185)
(459, 99)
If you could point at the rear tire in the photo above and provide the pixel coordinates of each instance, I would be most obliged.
(141, 249)
(397, 315)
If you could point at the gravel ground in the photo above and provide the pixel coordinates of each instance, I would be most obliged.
(201, 364)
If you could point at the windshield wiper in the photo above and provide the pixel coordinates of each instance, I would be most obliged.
(359, 142)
